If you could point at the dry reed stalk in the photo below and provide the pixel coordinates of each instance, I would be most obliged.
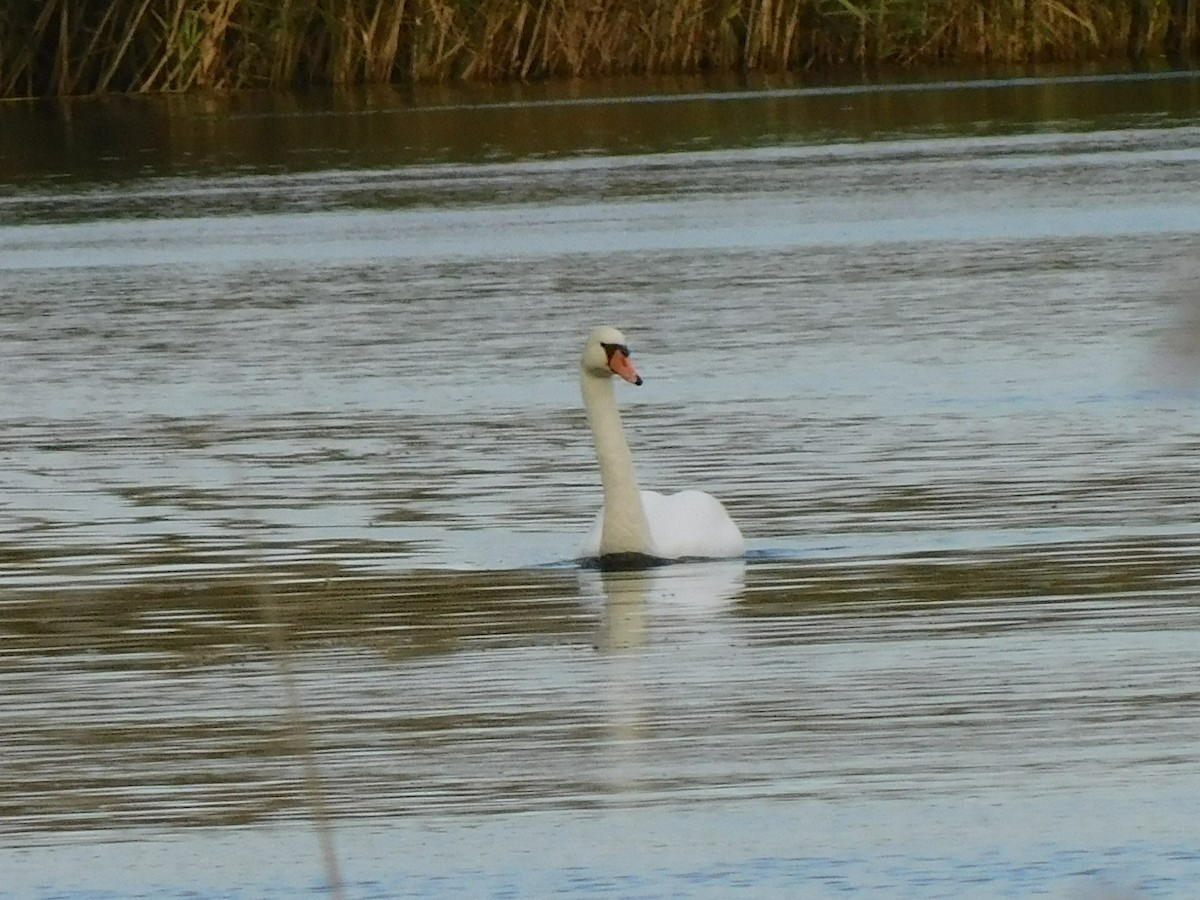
(345, 27)
(354, 35)
(24, 45)
(383, 40)
(647, 36)
(665, 39)
(774, 33)
(494, 42)
(1067, 23)
(118, 56)
(181, 46)
(760, 35)
(61, 73)
(88, 54)
(604, 48)
(70, 46)
(539, 26)
(506, 53)
(695, 47)
(792, 40)
(300, 735)
(534, 60)
(438, 37)
(149, 78)
(208, 72)
(286, 46)
(566, 26)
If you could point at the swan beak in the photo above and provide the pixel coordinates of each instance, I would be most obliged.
(622, 365)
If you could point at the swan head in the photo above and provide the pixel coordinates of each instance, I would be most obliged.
(606, 353)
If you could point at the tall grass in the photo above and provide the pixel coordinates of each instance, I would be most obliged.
(63, 47)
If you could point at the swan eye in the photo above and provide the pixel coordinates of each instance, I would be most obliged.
(610, 349)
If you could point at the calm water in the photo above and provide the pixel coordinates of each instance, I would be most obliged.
(293, 471)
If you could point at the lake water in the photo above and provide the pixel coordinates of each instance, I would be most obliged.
(293, 472)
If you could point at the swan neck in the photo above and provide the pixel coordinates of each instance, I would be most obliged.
(624, 529)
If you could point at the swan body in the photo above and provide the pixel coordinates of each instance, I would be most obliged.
(687, 525)
(635, 526)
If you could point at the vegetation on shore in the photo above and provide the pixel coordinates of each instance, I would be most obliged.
(63, 47)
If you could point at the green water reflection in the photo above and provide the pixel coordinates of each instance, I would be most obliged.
(121, 138)
(160, 703)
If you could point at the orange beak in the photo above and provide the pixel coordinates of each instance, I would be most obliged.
(622, 365)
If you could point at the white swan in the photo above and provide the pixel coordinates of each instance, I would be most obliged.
(635, 527)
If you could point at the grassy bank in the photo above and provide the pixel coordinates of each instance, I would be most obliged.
(61, 47)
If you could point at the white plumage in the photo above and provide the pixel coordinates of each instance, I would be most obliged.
(687, 525)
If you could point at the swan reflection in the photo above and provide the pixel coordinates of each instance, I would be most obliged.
(629, 602)
(652, 625)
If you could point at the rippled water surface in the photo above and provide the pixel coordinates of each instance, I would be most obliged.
(293, 474)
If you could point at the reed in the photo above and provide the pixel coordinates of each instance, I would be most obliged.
(50, 47)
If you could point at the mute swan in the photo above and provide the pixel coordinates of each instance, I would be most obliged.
(640, 528)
